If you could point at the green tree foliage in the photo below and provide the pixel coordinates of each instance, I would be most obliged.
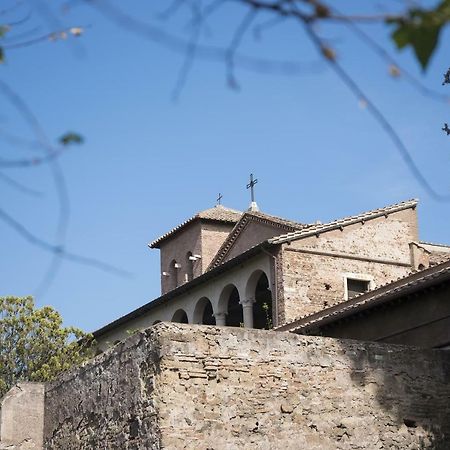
(34, 346)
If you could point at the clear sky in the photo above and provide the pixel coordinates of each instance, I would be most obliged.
(150, 162)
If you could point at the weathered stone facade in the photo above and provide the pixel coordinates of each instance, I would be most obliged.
(22, 417)
(196, 387)
(314, 269)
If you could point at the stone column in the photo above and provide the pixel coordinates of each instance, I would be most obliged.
(247, 312)
(220, 319)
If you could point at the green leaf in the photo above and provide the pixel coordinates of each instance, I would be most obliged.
(71, 138)
(421, 30)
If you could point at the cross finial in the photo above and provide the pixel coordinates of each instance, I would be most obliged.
(251, 185)
(219, 199)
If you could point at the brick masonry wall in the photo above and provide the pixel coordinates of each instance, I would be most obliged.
(312, 282)
(195, 387)
(176, 248)
(213, 236)
(200, 238)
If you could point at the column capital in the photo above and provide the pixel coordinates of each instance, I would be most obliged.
(247, 302)
(220, 315)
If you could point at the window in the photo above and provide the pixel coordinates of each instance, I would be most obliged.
(356, 287)
(189, 267)
(357, 283)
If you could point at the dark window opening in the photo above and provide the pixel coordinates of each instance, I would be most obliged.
(234, 313)
(208, 315)
(356, 287)
(189, 267)
(262, 308)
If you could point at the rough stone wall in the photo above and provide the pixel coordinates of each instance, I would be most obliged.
(22, 417)
(314, 282)
(314, 268)
(195, 387)
(110, 403)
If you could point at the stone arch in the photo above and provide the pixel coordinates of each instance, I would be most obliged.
(258, 291)
(229, 303)
(180, 316)
(203, 312)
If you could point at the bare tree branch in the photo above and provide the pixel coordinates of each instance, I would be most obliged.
(234, 45)
(19, 186)
(378, 116)
(57, 249)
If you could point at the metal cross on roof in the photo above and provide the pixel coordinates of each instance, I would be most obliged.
(219, 198)
(251, 186)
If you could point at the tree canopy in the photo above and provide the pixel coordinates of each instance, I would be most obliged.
(34, 346)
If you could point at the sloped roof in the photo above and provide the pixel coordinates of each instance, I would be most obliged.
(438, 253)
(321, 228)
(218, 213)
(283, 224)
(381, 296)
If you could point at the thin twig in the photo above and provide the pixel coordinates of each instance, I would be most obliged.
(19, 186)
(234, 45)
(188, 62)
(57, 249)
(379, 117)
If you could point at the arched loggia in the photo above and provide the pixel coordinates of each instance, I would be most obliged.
(203, 312)
(258, 291)
(229, 303)
(180, 316)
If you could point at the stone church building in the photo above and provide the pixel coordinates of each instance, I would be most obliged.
(251, 269)
(338, 296)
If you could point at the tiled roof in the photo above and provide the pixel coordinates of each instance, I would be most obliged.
(438, 253)
(279, 220)
(321, 228)
(218, 213)
(283, 224)
(384, 294)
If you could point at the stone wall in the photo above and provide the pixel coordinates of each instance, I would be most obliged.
(315, 268)
(196, 387)
(22, 417)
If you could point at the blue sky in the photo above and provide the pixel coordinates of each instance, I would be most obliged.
(149, 162)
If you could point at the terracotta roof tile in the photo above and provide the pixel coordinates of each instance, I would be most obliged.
(283, 224)
(218, 213)
(321, 228)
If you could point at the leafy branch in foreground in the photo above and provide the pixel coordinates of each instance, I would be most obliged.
(34, 346)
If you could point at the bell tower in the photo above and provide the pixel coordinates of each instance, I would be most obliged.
(187, 250)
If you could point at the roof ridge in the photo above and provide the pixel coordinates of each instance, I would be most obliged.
(349, 220)
(434, 244)
(202, 215)
(241, 224)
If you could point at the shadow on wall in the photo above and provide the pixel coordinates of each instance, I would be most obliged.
(412, 392)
